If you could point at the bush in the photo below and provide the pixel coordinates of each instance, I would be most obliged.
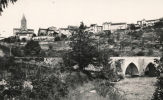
(106, 89)
(75, 79)
(42, 53)
(5, 49)
(32, 48)
(120, 76)
(50, 87)
(140, 53)
(17, 51)
(57, 38)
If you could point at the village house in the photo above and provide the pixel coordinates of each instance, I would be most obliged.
(114, 26)
(46, 34)
(68, 31)
(23, 32)
(64, 31)
(94, 28)
(51, 31)
(144, 23)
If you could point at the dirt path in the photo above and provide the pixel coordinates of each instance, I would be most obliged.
(138, 88)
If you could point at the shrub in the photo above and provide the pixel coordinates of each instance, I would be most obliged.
(75, 79)
(32, 48)
(5, 49)
(42, 53)
(106, 89)
(17, 51)
(57, 38)
(120, 76)
(140, 53)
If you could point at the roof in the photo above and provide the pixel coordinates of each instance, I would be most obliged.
(70, 26)
(25, 33)
(151, 20)
(23, 18)
(30, 29)
(42, 29)
(93, 24)
(106, 22)
(63, 28)
(20, 29)
(117, 23)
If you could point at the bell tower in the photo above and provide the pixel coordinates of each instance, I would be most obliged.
(23, 23)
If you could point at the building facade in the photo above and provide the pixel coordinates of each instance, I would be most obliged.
(114, 26)
(23, 32)
(51, 31)
(144, 23)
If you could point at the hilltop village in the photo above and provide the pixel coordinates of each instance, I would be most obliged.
(23, 33)
(140, 39)
(66, 63)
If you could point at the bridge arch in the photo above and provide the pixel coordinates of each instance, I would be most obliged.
(150, 70)
(131, 69)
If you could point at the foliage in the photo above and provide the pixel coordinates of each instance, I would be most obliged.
(32, 48)
(57, 38)
(132, 27)
(11, 39)
(124, 43)
(17, 51)
(150, 52)
(46, 86)
(158, 95)
(75, 79)
(50, 87)
(136, 34)
(158, 24)
(106, 89)
(5, 49)
(159, 34)
(83, 50)
(140, 53)
(4, 4)
(42, 53)
(50, 47)
(63, 36)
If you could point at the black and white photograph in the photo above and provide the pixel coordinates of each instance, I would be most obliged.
(81, 49)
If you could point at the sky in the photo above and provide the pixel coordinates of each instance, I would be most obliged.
(61, 13)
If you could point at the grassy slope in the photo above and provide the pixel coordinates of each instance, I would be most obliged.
(139, 88)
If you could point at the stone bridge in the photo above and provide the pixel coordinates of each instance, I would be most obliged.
(136, 65)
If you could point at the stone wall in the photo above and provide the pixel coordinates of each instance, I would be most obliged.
(40, 60)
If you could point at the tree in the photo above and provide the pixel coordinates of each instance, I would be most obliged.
(34, 35)
(63, 36)
(57, 38)
(17, 51)
(132, 27)
(4, 4)
(159, 34)
(32, 48)
(158, 24)
(140, 53)
(150, 52)
(158, 95)
(83, 52)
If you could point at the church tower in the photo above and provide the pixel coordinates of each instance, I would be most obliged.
(23, 23)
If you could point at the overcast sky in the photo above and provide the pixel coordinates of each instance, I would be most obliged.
(60, 13)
